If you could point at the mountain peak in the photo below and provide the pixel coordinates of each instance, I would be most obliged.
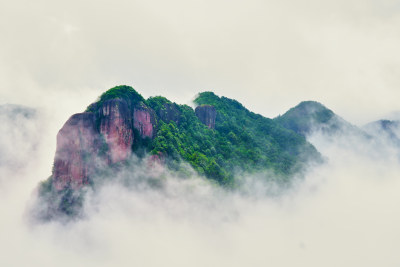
(307, 116)
(217, 139)
(310, 106)
(130, 95)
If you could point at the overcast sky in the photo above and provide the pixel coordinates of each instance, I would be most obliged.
(269, 55)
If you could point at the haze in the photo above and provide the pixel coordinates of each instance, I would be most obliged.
(58, 56)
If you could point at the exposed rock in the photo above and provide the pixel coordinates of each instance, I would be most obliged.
(116, 127)
(84, 135)
(169, 112)
(77, 144)
(207, 115)
(144, 120)
(156, 159)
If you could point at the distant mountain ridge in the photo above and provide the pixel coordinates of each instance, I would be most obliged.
(389, 129)
(311, 116)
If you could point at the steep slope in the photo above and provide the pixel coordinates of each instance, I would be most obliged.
(219, 138)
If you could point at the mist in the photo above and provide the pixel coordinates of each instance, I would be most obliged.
(56, 57)
(342, 213)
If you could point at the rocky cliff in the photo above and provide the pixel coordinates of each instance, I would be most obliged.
(116, 128)
(104, 136)
(207, 115)
(144, 120)
(169, 112)
(78, 144)
(107, 133)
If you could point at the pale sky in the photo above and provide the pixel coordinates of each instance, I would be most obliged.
(269, 55)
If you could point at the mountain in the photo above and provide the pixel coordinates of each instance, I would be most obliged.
(218, 138)
(253, 141)
(387, 129)
(310, 116)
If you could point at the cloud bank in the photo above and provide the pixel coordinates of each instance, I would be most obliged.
(58, 56)
(344, 213)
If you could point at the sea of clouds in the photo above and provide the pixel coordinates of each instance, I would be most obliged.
(57, 56)
(343, 213)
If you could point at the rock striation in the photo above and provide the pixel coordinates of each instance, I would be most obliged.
(116, 127)
(207, 115)
(78, 143)
(91, 140)
(144, 120)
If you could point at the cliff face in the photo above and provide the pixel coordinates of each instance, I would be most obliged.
(116, 127)
(77, 146)
(207, 115)
(144, 120)
(106, 136)
(91, 140)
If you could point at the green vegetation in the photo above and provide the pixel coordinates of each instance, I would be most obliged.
(121, 91)
(253, 142)
(157, 103)
(241, 140)
(305, 115)
(187, 140)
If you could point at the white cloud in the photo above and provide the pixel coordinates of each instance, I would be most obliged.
(343, 214)
(269, 56)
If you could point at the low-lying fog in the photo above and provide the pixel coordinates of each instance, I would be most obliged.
(345, 213)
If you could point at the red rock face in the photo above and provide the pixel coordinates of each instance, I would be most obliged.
(157, 159)
(76, 142)
(143, 121)
(207, 115)
(116, 127)
(80, 140)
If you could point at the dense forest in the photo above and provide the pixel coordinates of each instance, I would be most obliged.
(240, 141)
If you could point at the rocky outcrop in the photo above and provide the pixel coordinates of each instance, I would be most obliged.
(91, 140)
(78, 144)
(144, 120)
(116, 127)
(207, 115)
(169, 112)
